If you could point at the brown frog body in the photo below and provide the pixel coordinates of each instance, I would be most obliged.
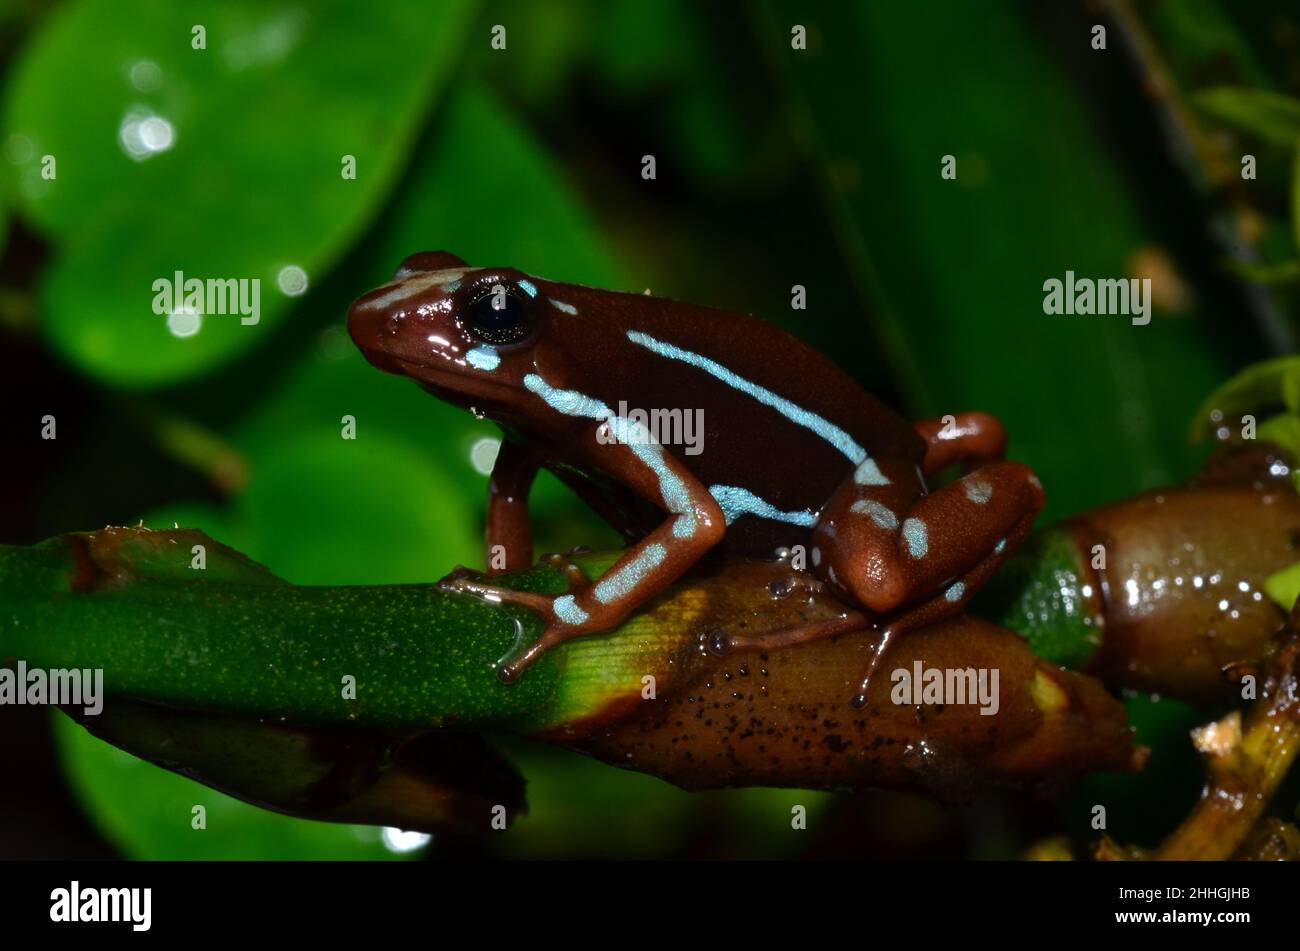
(691, 429)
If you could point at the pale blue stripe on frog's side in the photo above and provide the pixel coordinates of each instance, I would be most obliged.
(735, 502)
(791, 411)
(568, 402)
(673, 490)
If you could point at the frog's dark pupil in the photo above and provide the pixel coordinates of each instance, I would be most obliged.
(498, 316)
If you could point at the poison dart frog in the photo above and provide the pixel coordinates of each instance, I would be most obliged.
(793, 451)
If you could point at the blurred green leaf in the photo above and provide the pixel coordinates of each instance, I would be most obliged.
(1284, 587)
(954, 270)
(483, 188)
(1269, 384)
(318, 514)
(1269, 115)
(1285, 272)
(146, 811)
(1295, 196)
(664, 48)
(172, 158)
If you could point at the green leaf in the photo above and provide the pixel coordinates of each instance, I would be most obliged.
(1261, 386)
(1295, 196)
(219, 196)
(484, 189)
(1269, 115)
(953, 271)
(146, 811)
(1284, 587)
(1284, 272)
(322, 510)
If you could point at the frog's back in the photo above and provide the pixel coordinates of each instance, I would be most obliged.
(768, 424)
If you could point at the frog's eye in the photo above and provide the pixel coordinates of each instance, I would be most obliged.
(499, 315)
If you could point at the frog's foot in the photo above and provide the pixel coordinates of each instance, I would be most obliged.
(564, 620)
(950, 602)
(722, 643)
(468, 581)
(561, 614)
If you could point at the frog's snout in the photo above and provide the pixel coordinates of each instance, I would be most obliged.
(377, 330)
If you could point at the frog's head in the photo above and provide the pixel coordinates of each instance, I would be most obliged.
(465, 333)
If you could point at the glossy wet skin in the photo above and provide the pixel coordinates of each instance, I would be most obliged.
(788, 450)
(414, 326)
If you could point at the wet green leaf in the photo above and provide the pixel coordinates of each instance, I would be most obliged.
(171, 158)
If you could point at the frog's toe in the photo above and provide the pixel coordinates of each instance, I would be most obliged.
(576, 577)
(473, 584)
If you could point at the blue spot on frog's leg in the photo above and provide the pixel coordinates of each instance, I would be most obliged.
(567, 610)
(955, 593)
(918, 539)
(978, 491)
(880, 514)
(620, 582)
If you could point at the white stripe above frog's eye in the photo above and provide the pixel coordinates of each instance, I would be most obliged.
(410, 283)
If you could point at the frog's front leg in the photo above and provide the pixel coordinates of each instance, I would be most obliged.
(509, 533)
(695, 524)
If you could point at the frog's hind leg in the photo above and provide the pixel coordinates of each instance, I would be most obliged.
(951, 602)
(971, 439)
(848, 620)
(919, 560)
